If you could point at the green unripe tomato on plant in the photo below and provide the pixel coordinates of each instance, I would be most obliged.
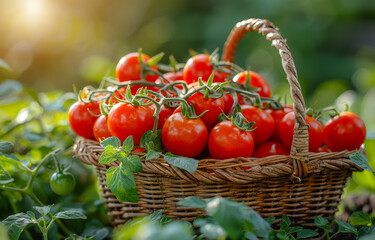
(62, 183)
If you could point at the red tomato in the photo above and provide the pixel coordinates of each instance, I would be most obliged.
(270, 148)
(201, 66)
(228, 103)
(256, 81)
(100, 129)
(81, 118)
(286, 130)
(184, 137)
(277, 115)
(346, 131)
(126, 120)
(129, 69)
(264, 122)
(174, 76)
(215, 106)
(164, 114)
(228, 141)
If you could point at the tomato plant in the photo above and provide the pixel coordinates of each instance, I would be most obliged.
(286, 131)
(82, 117)
(270, 148)
(201, 66)
(100, 128)
(183, 136)
(264, 122)
(345, 131)
(125, 120)
(129, 68)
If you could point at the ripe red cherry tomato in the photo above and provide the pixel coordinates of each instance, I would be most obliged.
(201, 66)
(228, 141)
(346, 131)
(129, 69)
(270, 148)
(215, 106)
(286, 130)
(256, 81)
(174, 76)
(277, 115)
(100, 129)
(184, 137)
(164, 114)
(126, 120)
(228, 103)
(264, 122)
(81, 118)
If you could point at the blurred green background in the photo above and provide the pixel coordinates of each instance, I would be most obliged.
(55, 44)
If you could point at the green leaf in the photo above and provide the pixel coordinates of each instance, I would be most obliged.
(5, 176)
(3, 232)
(133, 162)
(368, 237)
(322, 222)
(70, 214)
(228, 214)
(151, 142)
(361, 161)
(122, 183)
(306, 233)
(210, 228)
(260, 226)
(188, 164)
(346, 227)
(211, 79)
(111, 141)
(128, 144)
(6, 147)
(4, 66)
(108, 156)
(151, 154)
(44, 210)
(155, 59)
(33, 94)
(360, 219)
(270, 220)
(193, 202)
(9, 87)
(16, 224)
(250, 236)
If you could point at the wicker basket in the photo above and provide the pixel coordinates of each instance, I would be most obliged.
(303, 185)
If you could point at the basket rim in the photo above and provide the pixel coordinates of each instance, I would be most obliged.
(227, 170)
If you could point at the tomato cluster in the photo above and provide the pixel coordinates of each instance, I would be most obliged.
(203, 108)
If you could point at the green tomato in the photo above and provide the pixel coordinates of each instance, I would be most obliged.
(62, 183)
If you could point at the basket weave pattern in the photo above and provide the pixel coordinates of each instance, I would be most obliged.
(303, 185)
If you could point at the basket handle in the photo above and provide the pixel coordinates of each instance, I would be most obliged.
(300, 145)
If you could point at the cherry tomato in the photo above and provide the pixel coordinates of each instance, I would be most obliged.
(184, 137)
(126, 120)
(164, 114)
(82, 118)
(174, 76)
(277, 115)
(286, 130)
(228, 141)
(129, 69)
(256, 81)
(228, 103)
(346, 131)
(62, 183)
(264, 122)
(201, 66)
(100, 129)
(270, 148)
(215, 106)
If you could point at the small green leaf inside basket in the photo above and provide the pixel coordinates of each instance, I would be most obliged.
(188, 164)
